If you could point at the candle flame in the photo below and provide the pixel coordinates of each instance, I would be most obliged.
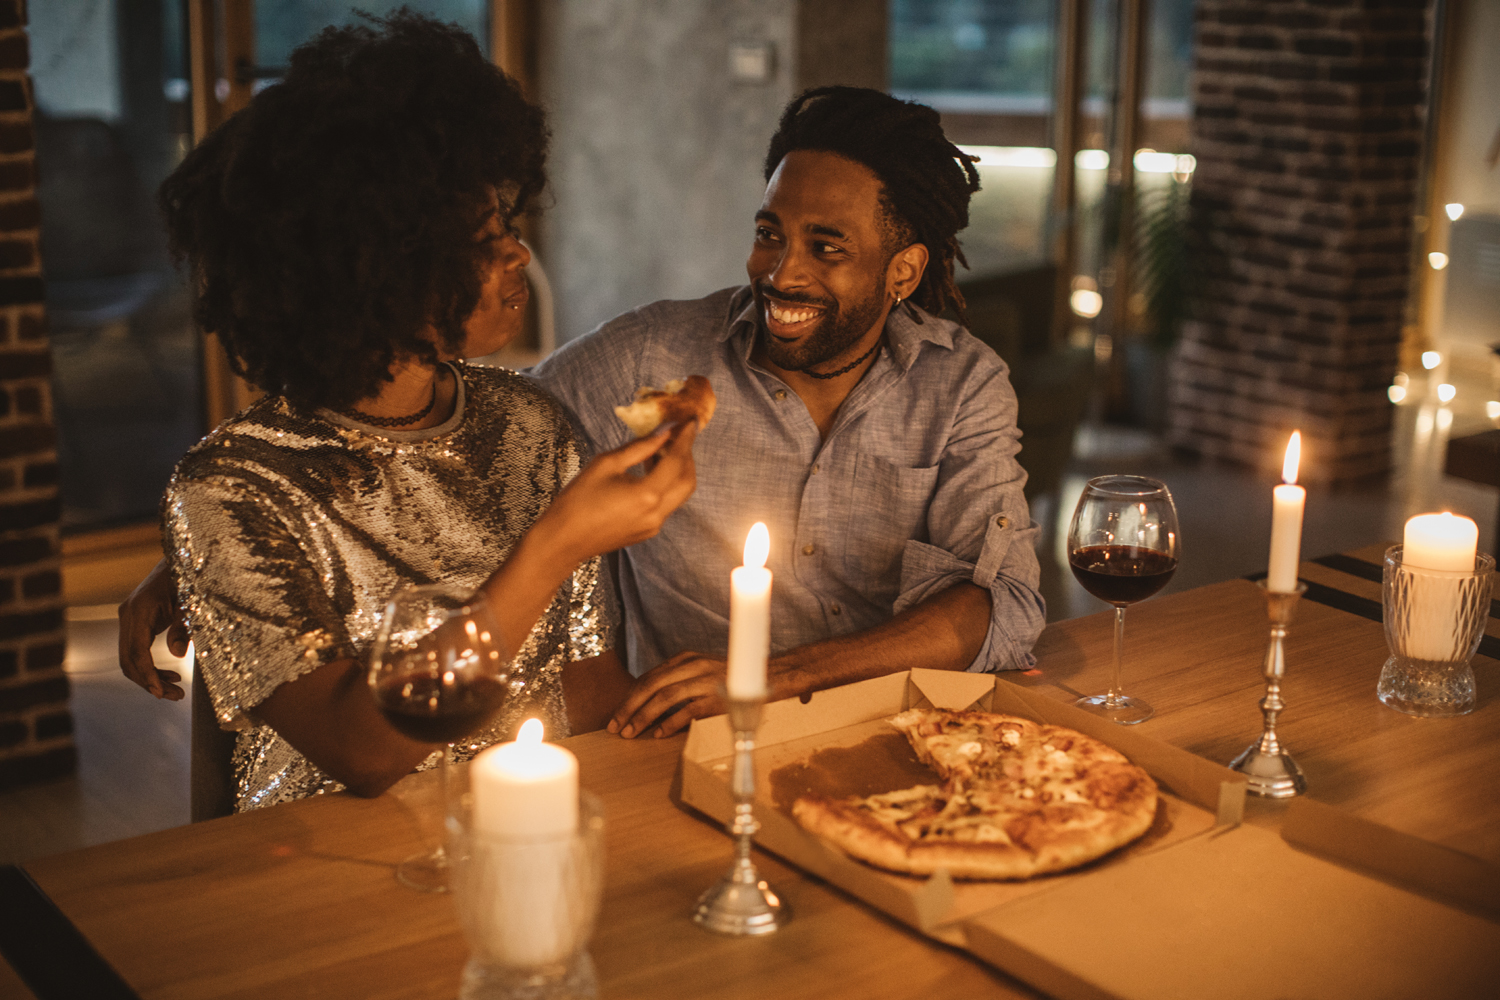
(757, 546)
(531, 732)
(1293, 458)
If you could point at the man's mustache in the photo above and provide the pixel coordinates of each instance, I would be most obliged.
(769, 291)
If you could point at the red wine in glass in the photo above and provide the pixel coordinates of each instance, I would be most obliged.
(1121, 574)
(1122, 547)
(428, 709)
(437, 673)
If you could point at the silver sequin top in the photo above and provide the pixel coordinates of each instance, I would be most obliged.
(289, 531)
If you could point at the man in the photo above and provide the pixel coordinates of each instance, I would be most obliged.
(876, 441)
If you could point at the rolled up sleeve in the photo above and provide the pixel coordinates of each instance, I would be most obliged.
(979, 526)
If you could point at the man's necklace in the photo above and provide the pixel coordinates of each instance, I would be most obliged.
(847, 368)
(370, 418)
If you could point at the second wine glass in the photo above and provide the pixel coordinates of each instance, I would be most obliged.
(437, 674)
(1123, 547)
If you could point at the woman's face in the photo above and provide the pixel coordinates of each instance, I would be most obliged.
(498, 318)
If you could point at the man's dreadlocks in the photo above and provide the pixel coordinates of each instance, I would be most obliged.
(926, 180)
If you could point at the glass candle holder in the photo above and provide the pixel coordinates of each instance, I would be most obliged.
(1434, 620)
(528, 906)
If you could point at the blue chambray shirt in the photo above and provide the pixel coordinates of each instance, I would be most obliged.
(915, 489)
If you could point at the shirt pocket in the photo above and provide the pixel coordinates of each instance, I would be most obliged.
(888, 508)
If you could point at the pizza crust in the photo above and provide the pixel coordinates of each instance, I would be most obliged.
(682, 400)
(1018, 799)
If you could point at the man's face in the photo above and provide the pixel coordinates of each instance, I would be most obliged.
(818, 267)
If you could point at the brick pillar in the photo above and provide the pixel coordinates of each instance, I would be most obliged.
(1307, 124)
(36, 727)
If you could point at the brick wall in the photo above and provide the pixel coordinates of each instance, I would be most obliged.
(36, 728)
(1308, 125)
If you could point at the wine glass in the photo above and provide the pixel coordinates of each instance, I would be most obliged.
(437, 674)
(1122, 547)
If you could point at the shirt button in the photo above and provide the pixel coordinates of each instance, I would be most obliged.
(836, 609)
(1001, 521)
(809, 549)
(780, 394)
(815, 468)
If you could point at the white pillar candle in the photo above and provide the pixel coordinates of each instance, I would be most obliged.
(1286, 522)
(527, 788)
(1442, 543)
(525, 819)
(750, 618)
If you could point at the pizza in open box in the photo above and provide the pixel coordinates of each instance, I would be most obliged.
(1017, 799)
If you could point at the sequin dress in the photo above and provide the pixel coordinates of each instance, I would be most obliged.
(289, 531)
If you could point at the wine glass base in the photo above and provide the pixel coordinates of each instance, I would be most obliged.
(1125, 711)
(427, 872)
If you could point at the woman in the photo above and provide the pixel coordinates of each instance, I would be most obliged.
(350, 238)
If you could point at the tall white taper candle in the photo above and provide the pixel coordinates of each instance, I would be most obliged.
(1286, 522)
(750, 618)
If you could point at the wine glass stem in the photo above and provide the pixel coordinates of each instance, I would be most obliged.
(441, 851)
(1115, 695)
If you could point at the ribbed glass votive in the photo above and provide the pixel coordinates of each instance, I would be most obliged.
(1434, 620)
(528, 907)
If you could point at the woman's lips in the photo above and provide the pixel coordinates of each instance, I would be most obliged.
(517, 299)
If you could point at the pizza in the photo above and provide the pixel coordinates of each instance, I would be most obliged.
(682, 400)
(1016, 798)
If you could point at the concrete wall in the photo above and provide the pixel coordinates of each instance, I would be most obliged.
(656, 165)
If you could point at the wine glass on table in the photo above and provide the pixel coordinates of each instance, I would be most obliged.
(437, 674)
(1122, 547)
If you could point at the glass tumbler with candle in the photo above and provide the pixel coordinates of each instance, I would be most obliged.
(1122, 547)
(1436, 593)
(528, 873)
(437, 673)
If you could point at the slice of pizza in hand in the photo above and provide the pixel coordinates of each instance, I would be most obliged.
(683, 399)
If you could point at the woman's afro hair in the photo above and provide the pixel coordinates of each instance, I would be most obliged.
(340, 214)
(926, 180)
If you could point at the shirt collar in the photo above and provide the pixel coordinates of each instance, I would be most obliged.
(903, 334)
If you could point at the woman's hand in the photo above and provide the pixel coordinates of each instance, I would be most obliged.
(607, 507)
(149, 609)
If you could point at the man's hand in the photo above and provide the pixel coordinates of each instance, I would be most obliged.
(681, 689)
(150, 609)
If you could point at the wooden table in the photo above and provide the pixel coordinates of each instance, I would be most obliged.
(299, 900)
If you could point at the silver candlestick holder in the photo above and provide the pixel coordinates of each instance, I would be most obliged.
(1272, 771)
(742, 903)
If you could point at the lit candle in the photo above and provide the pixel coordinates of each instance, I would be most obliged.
(525, 816)
(1440, 541)
(1286, 522)
(527, 788)
(750, 618)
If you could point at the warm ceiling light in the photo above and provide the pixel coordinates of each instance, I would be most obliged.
(1492, 410)
(1086, 303)
(1437, 260)
(1446, 393)
(1454, 210)
(1091, 159)
(1431, 359)
(1396, 393)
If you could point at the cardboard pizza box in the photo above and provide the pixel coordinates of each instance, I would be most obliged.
(1203, 905)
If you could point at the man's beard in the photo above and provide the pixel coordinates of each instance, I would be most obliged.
(837, 332)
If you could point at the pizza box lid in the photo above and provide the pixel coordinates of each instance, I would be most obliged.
(1191, 888)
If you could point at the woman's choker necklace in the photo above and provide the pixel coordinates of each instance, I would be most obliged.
(847, 368)
(370, 418)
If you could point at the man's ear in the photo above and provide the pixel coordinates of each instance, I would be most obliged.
(904, 273)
